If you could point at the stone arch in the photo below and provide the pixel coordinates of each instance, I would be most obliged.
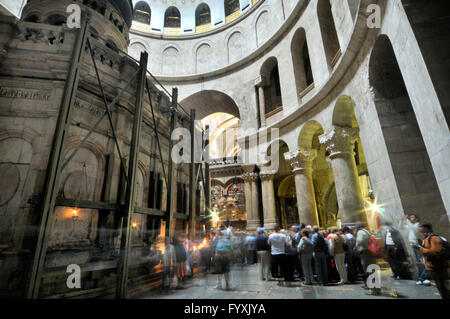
(16, 156)
(170, 59)
(233, 180)
(263, 29)
(343, 113)
(203, 55)
(56, 19)
(74, 170)
(235, 45)
(216, 182)
(34, 17)
(136, 48)
(207, 102)
(308, 132)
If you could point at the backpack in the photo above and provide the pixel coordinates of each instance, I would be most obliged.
(446, 254)
(375, 248)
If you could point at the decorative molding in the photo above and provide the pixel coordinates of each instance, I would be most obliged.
(26, 94)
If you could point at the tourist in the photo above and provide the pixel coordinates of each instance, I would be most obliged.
(320, 249)
(410, 224)
(180, 261)
(352, 274)
(305, 250)
(435, 249)
(395, 251)
(337, 242)
(291, 253)
(278, 242)
(222, 259)
(250, 249)
(263, 253)
(367, 259)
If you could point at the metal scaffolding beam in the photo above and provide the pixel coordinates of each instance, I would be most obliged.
(122, 286)
(170, 188)
(192, 187)
(56, 157)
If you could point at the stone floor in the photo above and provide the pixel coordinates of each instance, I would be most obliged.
(245, 284)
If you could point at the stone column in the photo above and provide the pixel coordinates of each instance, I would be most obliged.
(268, 197)
(254, 222)
(339, 143)
(260, 84)
(301, 161)
(248, 196)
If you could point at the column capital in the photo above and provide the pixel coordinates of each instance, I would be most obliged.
(250, 177)
(267, 175)
(339, 140)
(301, 159)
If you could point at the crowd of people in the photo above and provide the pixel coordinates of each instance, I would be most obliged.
(335, 256)
(332, 256)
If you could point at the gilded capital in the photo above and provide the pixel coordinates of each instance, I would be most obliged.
(339, 140)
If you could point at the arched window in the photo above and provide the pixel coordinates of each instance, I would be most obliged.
(202, 15)
(172, 18)
(272, 89)
(56, 19)
(142, 12)
(329, 34)
(32, 18)
(231, 6)
(301, 61)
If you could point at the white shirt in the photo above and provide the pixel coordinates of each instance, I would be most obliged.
(389, 240)
(278, 243)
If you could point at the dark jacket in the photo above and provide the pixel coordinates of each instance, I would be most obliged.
(261, 242)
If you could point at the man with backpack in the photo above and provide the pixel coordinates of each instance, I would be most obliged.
(363, 239)
(436, 251)
(320, 249)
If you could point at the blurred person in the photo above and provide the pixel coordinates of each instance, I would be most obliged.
(291, 254)
(349, 256)
(250, 248)
(337, 242)
(305, 250)
(180, 261)
(263, 251)
(395, 252)
(367, 259)
(436, 250)
(410, 224)
(333, 275)
(222, 257)
(320, 249)
(278, 243)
